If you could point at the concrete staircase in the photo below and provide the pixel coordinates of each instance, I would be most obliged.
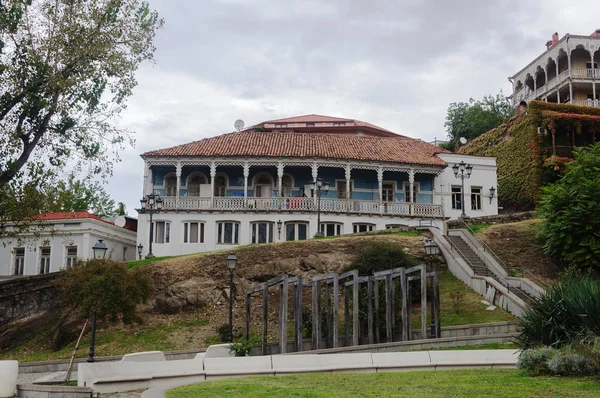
(479, 268)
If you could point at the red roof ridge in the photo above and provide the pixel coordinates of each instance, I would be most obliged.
(68, 215)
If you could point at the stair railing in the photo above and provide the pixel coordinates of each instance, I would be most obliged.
(503, 281)
(506, 267)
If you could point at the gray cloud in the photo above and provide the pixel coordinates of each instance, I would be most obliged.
(395, 64)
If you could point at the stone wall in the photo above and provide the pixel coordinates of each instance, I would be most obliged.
(27, 305)
(499, 219)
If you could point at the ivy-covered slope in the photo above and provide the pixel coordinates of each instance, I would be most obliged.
(525, 159)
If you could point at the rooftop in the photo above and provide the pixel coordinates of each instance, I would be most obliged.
(55, 216)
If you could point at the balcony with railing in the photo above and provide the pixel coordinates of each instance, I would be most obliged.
(585, 73)
(589, 102)
(302, 204)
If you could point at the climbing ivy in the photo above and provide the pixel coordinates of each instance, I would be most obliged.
(524, 158)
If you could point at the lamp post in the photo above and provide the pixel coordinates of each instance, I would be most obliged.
(140, 248)
(151, 204)
(462, 171)
(279, 225)
(231, 262)
(320, 188)
(492, 192)
(432, 249)
(99, 249)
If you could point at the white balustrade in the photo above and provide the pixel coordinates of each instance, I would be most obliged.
(585, 73)
(306, 204)
(588, 102)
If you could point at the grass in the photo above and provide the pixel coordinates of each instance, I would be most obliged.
(490, 346)
(113, 341)
(507, 383)
(478, 227)
(137, 263)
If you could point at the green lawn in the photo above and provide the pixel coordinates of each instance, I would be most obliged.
(450, 383)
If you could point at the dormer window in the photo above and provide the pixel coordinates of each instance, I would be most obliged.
(280, 125)
(338, 124)
(310, 125)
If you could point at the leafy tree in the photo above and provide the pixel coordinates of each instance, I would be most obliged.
(379, 256)
(121, 209)
(472, 119)
(571, 211)
(107, 287)
(66, 70)
(81, 195)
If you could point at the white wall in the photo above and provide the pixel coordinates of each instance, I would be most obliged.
(58, 235)
(177, 247)
(483, 175)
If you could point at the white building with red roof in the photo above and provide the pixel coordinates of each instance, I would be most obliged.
(256, 185)
(55, 241)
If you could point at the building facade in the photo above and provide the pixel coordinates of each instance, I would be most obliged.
(567, 72)
(57, 240)
(254, 186)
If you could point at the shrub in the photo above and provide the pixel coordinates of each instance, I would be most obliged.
(223, 332)
(564, 314)
(242, 347)
(379, 256)
(569, 364)
(107, 287)
(570, 207)
(568, 361)
(536, 360)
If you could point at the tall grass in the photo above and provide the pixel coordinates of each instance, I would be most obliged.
(567, 312)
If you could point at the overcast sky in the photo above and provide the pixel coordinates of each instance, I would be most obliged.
(397, 64)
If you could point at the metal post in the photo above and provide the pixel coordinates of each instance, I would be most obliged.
(90, 357)
(150, 255)
(231, 306)
(318, 192)
(462, 193)
(433, 334)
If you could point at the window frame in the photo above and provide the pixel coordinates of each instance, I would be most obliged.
(186, 237)
(337, 227)
(296, 225)
(188, 184)
(477, 197)
(456, 197)
(235, 232)
(44, 260)
(255, 231)
(21, 266)
(170, 190)
(416, 190)
(337, 188)
(166, 233)
(70, 260)
(369, 227)
(383, 191)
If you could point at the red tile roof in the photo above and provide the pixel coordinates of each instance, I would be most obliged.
(312, 118)
(68, 216)
(397, 149)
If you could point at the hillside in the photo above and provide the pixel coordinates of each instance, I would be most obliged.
(526, 159)
(191, 295)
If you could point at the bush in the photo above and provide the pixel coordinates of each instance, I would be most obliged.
(568, 361)
(564, 314)
(106, 287)
(379, 256)
(570, 209)
(242, 347)
(223, 332)
(536, 360)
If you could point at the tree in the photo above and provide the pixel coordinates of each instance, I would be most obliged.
(473, 118)
(121, 209)
(570, 209)
(107, 287)
(66, 70)
(81, 195)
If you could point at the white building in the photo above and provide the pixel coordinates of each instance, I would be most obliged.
(254, 186)
(58, 240)
(567, 72)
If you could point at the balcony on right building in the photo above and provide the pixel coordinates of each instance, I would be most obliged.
(567, 72)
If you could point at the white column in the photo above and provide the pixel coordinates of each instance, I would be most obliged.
(558, 96)
(348, 170)
(380, 180)
(148, 187)
(570, 72)
(411, 186)
(178, 173)
(213, 174)
(315, 174)
(246, 175)
(280, 179)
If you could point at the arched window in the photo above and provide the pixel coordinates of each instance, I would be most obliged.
(287, 184)
(193, 183)
(220, 185)
(171, 184)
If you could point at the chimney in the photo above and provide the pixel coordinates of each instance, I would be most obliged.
(555, 38)
(596, 33)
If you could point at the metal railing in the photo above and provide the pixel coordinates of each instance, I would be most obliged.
(492, 253)
(501, 279)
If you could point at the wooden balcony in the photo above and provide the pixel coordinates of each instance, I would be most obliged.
(284, 205)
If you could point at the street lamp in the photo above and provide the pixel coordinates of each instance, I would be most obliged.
(140, 247)
(279, 225)
(99, 249)
(432, 249)
(462, 171)
(231, 262)
(320, 188)
(492, 192)
(151, 204)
